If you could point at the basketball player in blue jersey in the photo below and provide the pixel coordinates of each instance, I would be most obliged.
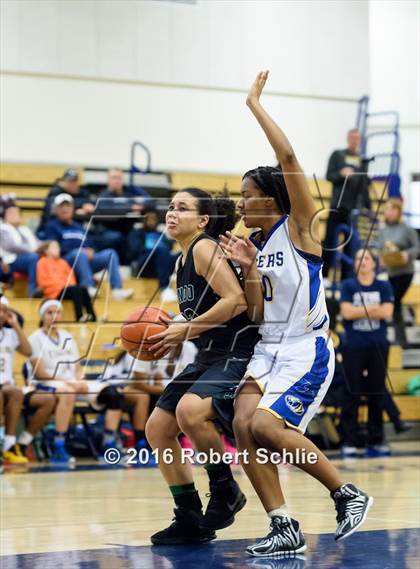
(213, 305)
(293, 364)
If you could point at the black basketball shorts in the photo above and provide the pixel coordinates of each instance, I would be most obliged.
(214, 374)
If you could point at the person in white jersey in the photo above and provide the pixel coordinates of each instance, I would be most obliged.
(37, 407)
(56, 369)
(293, 364)
(12, 340)
(143, 382)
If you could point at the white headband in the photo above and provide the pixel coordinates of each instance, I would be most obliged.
(3, 300)
(44, 307)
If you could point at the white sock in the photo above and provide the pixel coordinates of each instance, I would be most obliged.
(9, 441)
(282, 511)
(25, 438)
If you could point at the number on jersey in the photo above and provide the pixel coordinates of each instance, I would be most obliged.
(267, 288)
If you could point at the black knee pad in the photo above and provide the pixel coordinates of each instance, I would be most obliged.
(111, 398)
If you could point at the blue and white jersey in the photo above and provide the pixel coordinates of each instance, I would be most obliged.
(294, 297)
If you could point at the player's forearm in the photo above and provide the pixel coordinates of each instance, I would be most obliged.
(302, 205)
(384, 311)
(253, 293)
(274, 134)
(225, 309)
(350, 312)
(40, 373)
(24, 346)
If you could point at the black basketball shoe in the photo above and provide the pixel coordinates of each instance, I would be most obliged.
(285, 539)
(185, 528)
(352, 507)
(225, 501)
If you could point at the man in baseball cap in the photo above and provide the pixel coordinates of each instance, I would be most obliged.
(63, 198)
(70, 175)
(68, 184)
(77, 248)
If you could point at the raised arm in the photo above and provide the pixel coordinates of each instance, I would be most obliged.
(24, 346)
(303, 224)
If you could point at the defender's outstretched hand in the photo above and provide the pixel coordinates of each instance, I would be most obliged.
(241, 251)
(257, 87)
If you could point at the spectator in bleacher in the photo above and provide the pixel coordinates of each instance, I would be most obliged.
(399, 247)
(145, 381)
(366, 305)
(136, 402)
(120, 203)
(334, 395)
(57, 280)
(12, 339)
(77, 250)
(346, 171)
(69, 184)
(56, 369)
(151, 254)
(115, 189)
(37, 407)
(18, 246)
(6, 200)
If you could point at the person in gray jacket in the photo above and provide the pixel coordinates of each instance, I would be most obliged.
(399, 246)
(18, 246)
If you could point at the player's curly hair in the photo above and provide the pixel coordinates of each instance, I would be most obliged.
(271, 182)
(221, 211)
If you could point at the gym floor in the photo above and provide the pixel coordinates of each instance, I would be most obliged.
(101, 517)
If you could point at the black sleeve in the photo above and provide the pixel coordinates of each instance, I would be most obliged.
(335, 164)
(46, 213)
(81, 199)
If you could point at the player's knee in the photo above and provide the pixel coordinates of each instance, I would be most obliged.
(15, 395)
(149, 433)
(261, 429)
(111, 398)
(49, 402)
(67, 398)
(66, 388)
(241, 424)
(188, 416)
(156, 437)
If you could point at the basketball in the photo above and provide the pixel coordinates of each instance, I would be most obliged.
(139, 325)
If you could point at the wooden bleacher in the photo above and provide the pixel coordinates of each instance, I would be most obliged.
(31, 183)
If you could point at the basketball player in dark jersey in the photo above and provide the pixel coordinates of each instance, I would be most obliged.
(211, 299)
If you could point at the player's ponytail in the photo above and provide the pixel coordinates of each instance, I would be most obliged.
(223, 219)
(271, 182)
(221, 211)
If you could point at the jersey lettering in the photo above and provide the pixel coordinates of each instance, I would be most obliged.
(271, 260)
(185, 293)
